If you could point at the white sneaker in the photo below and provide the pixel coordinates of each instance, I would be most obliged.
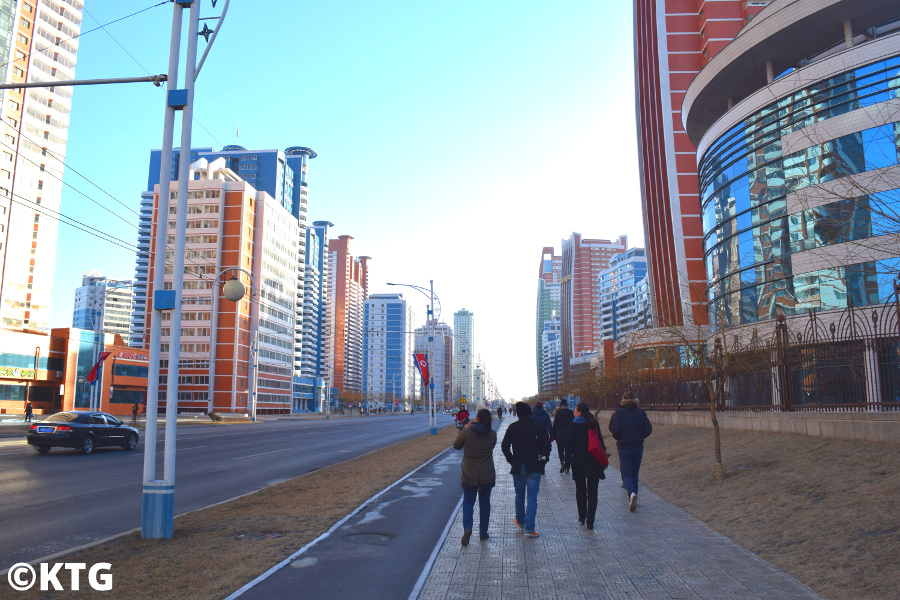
(632, 502)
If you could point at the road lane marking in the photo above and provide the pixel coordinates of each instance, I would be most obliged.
(263, 453)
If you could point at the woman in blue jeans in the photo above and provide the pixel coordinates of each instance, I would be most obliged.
(477, 441)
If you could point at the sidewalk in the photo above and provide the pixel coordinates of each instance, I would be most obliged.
(659, 551)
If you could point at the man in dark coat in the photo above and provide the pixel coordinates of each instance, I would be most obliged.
(561, 422)
(542, 418)
(630, 427)
(526, 447)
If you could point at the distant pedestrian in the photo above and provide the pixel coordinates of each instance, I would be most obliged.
(526, 447)
(543, 419)
(561, 422)
(134, 413)
(477, 441)
(499, 413)
(29, 412)
(630, 426)
(586, 471)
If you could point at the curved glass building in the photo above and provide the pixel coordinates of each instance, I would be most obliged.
(797, 125)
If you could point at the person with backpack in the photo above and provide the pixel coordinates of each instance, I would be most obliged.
(587, 471)
(630, 426)
(477, 441)
(561, 422)
(526, 447)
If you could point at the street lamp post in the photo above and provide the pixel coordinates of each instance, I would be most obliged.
(432, 418)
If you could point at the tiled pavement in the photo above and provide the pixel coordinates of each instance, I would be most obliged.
(657, 552)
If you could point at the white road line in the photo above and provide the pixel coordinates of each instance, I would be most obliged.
(263, 453)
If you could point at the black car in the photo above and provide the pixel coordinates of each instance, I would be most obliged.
(83, 431)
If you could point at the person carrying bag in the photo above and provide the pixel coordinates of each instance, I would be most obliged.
(586, 470)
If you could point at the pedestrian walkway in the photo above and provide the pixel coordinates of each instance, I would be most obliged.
(657, 552)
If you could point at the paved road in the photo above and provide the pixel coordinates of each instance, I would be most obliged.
(62, 500)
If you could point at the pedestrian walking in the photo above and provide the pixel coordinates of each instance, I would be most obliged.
(586, 471)
(134, 413)
(542, 418)
(477, 441)
(29, 412)
(630, 427)
(499, 413)
(526, 447)
(561, 422)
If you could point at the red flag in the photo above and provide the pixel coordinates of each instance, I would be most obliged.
(92, 376)
(422, 363)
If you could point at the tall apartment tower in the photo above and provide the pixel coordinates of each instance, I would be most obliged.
(622, 308)
(231, 351)
(348, 284)
(673, 40)
(387, 350)
(37, 41)
(582, 262)
(310, 386)
(103, 301)
(552, 360)
(463, 355)
(441, 367)
(282, 175)
(549, 275)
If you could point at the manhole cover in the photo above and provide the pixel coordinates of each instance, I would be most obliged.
(369, 538)
(257, 536)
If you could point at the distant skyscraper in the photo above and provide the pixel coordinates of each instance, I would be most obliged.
(548, 302)
(673, 39)
(348, 284)
(441, 366)
(463, 355)
(583, 260)
(104, 301)
(310, 386)
(387, 350)
(552, 359)
(621, 301)
(36, 39)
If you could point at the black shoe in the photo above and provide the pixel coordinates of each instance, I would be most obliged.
(590, 526)
(484, 537)
(466, 535)
(562, 469)
(581, 520)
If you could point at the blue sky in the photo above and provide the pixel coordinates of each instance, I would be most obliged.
(455, 139)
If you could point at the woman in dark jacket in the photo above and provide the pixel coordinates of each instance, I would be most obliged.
(477, 441)
(586, 471)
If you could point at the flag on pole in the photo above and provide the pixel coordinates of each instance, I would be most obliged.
(422, 364)
(92, 375)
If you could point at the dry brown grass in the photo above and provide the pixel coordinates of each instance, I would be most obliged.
(204, 560)
(822, 510)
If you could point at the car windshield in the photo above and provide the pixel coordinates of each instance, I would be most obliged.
(112, 420)
(63, 417)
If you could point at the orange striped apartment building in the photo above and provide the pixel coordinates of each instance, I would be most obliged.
(230, 225)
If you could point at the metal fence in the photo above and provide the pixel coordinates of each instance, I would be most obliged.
(837, 361)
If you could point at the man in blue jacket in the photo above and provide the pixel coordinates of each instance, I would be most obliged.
(630, 427)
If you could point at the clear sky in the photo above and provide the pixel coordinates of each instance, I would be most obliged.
(455, 139)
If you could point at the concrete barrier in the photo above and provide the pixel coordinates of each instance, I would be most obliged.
(874, 427)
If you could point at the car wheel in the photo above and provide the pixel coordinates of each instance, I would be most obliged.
(130, 442)
(87, 446)
(42, 449)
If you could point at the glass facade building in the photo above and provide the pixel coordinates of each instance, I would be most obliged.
(799, 182)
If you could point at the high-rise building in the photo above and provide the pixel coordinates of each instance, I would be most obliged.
(673, 39)
(245, 347)
(387, 351)
(582, 262)
(795, 125)
(103, 302)
(463, 355)
(441, 366)
(282, 175)
(622, 306)
(348, 284)
(552, 359)
(310, 386)
(548, 302)
(38, 41)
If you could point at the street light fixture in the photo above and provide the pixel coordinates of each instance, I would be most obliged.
(432, 418)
